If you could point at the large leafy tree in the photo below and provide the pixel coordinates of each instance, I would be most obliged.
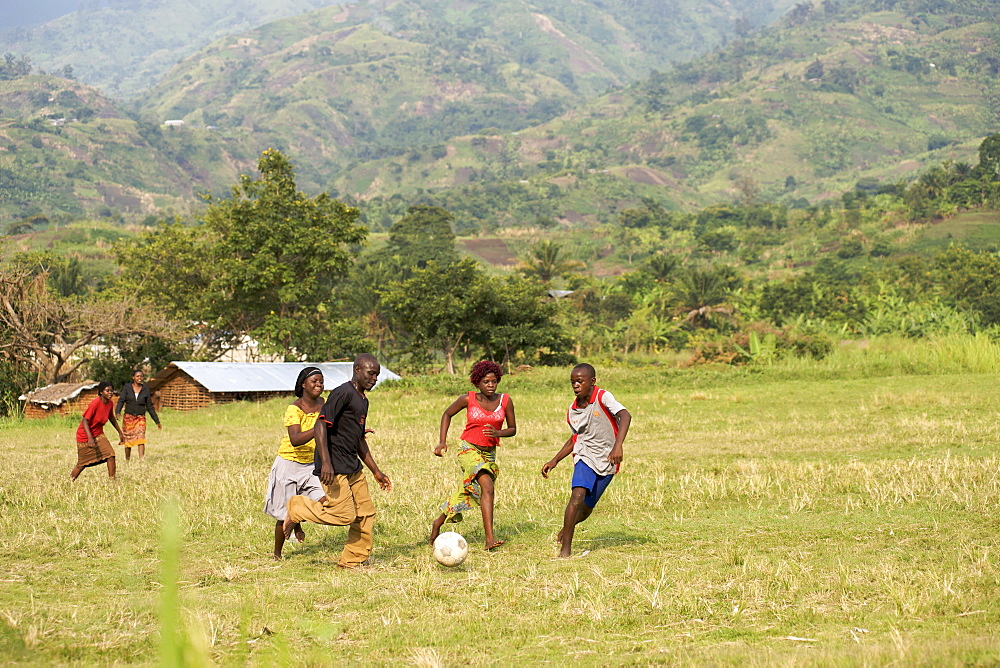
(423, 235)
(458, 307)
(260, 263)
(517, 319)
(360, 296)
(970, 280)
(436, 307)
(989, 157)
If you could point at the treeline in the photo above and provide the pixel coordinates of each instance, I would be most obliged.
(753, 52)
(743, 230)
(13, 67)
(292, 275)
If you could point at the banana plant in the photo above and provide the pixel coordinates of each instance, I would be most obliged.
(760, 350)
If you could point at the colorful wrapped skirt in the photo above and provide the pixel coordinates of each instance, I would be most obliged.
(134, 428)
(472, 461)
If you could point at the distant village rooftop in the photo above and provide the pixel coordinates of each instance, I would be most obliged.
(191, 385)
(59, 399)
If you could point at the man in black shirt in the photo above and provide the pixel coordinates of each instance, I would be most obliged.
(341, 448)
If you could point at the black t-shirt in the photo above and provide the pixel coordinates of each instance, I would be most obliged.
(344, 413)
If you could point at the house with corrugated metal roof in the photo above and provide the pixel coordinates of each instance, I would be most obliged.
(186, 386)
(59, 399)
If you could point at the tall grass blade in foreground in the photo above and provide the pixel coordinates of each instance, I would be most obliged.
(171, 634)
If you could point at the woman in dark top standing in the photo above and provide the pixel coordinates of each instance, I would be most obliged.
(136, 400)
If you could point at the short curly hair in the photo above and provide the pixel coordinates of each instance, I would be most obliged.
(481, 369)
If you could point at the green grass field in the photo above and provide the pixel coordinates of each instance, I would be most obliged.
(977, 230)
(840, 513)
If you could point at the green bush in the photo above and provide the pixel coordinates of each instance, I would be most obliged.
(759, 343)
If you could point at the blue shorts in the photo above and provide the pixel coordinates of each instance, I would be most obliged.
(584, 476)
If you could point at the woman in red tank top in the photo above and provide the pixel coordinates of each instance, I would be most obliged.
(486, 412)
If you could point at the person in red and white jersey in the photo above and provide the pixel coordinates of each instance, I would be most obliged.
(599, 425)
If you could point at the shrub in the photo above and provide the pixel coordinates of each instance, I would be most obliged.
(757, 343)
(558, 358)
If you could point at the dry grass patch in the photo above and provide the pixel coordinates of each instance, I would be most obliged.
(811, 521)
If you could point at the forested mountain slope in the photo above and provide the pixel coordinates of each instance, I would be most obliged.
(833, 95)
(340, 84)
(124, 46)
(469, 107)
(65, 150)
(364, 81)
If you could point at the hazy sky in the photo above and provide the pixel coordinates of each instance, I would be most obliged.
(32, 12)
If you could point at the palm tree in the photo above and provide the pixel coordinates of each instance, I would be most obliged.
(702, 296)
(544, 262)
(662, 266)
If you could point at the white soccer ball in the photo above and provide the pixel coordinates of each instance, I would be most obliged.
(450, 549)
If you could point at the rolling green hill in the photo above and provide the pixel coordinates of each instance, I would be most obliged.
(488, 109)
(799, 112)
(123, 47)
(365, 81)
(67, 151)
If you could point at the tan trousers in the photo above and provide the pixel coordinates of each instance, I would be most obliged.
(347, 503)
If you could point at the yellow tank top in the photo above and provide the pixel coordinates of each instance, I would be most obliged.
(303, 454)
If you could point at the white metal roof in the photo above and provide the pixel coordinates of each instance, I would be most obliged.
(266, 376)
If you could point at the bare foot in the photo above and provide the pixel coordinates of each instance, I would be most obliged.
(494, 544)
(288, 527)
(300, 535)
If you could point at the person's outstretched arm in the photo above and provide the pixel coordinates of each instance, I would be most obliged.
(86, 429)
(114, 423)
(456, 407)
(365, 455)
(564, 452)
(150, 408)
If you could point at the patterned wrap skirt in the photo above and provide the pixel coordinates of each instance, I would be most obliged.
(134, 428)
(472, 461)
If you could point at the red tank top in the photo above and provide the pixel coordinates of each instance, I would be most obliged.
(477, 418)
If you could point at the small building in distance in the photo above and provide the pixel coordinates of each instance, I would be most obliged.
(59, 399)
(186, 386)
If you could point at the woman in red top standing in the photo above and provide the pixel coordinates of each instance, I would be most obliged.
(486, 412)
(92, 446)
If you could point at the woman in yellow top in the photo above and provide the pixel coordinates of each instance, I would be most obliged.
(292, 472)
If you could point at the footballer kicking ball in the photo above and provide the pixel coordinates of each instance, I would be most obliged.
(450, 549)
